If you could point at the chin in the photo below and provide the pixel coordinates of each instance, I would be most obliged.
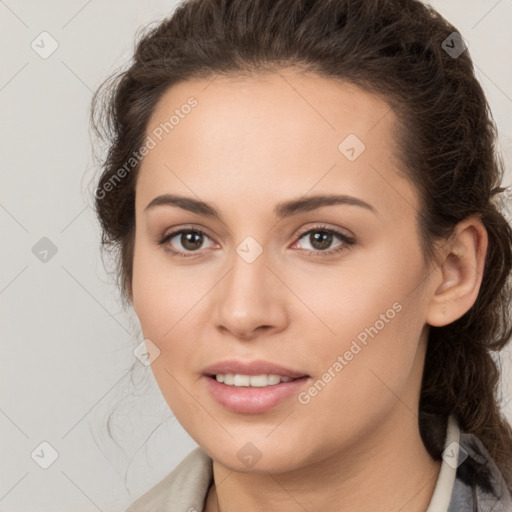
(270, 464)
(258, 457)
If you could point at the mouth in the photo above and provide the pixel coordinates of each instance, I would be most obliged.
(256, 381)
(252, 387)
(256, 368)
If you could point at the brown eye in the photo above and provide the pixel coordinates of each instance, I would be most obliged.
(184, 242)
(191, 240)
(321, 239)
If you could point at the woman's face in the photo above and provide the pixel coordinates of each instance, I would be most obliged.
(309, 268)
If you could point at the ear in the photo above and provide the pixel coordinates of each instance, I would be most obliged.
(458, 277)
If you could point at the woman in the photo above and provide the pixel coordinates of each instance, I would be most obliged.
(303, 199)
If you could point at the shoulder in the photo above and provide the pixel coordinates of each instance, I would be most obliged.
(469, 479)
(184, 488)
(478, 482)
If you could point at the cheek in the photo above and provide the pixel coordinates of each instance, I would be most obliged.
(164, 312)
(364, 339)
(358, 383)
(161, 294)
(360, 299)
(167, 301)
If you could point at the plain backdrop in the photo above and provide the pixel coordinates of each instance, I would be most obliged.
(67, 345)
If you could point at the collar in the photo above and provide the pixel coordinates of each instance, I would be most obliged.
(444, 485)
(468, 481)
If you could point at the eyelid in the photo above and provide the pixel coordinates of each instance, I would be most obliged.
(185, 227)
(319, 226)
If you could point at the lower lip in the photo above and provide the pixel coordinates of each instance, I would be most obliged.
(252, 400)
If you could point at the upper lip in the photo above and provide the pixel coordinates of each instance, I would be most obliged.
(256, 367)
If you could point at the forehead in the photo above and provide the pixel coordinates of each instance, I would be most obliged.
(271, 137)
(284, 106)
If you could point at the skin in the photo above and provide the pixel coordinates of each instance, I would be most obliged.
(249, 144)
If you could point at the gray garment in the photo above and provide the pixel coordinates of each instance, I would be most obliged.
(479, 486)
(472, 484)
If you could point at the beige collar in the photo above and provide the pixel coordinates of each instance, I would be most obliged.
(444, 486)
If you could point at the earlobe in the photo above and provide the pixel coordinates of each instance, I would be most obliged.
(456, 282)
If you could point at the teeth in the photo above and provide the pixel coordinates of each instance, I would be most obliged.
(241, 380)
(257, 381)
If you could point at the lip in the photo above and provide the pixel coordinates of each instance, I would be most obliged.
(252, 400)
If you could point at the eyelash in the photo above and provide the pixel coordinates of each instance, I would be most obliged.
(348, 242)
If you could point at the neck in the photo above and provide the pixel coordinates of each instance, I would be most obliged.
(389, 470)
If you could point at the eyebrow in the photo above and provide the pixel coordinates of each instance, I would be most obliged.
(282, 210)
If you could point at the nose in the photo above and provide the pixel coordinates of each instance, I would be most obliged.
(250, 300)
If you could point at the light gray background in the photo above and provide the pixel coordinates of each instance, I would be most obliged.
(66, 343)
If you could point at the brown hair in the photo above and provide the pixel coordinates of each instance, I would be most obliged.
(392, 48)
